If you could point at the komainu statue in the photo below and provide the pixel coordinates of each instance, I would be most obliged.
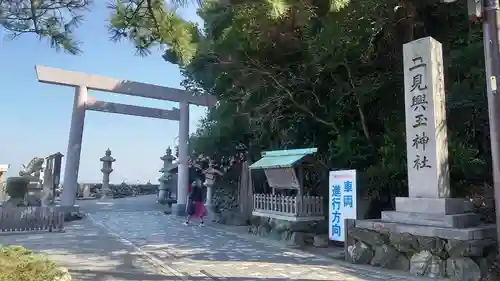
(35, 166)
(33, 173)
(47, 192)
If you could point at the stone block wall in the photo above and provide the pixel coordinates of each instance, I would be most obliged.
(224, 198)
(433, 257)
(293, 234)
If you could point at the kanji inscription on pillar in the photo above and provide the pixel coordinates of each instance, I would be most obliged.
(426, 131)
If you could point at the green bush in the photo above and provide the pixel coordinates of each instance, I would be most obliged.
(20, 264)
(17, 187)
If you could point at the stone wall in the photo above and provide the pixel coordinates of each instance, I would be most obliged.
(422, 256)
(293, 234)
(128, 190)
(224, 198)
(225, 203)
(123, 190)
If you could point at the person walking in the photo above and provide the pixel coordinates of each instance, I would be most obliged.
(195, 173)
(196, 206)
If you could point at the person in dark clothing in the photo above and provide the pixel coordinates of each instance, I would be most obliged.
(196, 207)
(195, 173)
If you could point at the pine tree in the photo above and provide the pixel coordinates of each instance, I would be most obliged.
(48, 19)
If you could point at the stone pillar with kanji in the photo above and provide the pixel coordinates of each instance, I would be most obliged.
(107, 162)
(427, 143)
(429, 215)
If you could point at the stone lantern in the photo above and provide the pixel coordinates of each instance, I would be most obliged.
(3, 170)
(166, 177)
(107, 162)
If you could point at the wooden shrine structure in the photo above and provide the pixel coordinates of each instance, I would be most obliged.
(284, 171)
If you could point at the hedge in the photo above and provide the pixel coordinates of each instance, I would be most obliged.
(20, 264)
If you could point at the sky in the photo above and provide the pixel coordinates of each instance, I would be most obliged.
(35, 117)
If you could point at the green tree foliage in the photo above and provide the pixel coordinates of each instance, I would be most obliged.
(289, 73)
(48, 19)
(150, 23)
(324, 73)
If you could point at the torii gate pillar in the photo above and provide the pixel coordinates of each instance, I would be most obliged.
(183, 171)
(71, 168)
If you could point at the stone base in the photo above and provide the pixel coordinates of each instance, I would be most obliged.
(34, 196)
(443, 206)
(428, 251)
(179, 209)
(473, 233)
(210, 213)
(71, 213)
(169, 202)
(67, 209)
(432, 237)
(106, 194)
(454, 221)
(87, 198)
(162, 195)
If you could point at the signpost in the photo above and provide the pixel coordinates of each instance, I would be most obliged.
(342, 202)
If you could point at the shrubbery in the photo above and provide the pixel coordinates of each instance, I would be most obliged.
(20, 264)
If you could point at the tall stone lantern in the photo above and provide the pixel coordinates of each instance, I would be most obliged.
(3, 193)
(168, 158)
(107, 162)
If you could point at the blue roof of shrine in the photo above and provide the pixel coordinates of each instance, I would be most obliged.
(282, 158)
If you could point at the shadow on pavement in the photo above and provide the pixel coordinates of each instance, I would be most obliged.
(88, 252)
(155, 277)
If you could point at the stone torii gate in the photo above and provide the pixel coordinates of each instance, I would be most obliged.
(83, 82)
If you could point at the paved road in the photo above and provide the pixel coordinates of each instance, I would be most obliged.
(129, 204)
(131, 239)
(210, 254)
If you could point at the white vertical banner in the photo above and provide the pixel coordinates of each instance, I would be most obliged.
(342, 202)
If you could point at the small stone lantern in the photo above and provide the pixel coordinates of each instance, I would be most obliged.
(164, 180)
(107, 162)
(3, 170)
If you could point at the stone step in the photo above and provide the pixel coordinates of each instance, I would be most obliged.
(472, 233)
(455, 221)
(441, 206)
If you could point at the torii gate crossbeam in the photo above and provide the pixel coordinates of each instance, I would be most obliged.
(111, 107)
